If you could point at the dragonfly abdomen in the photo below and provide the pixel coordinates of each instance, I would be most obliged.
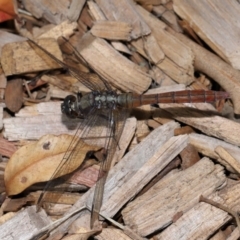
(185, 96)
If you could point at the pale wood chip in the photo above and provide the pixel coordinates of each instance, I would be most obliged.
(129, 15)
(112, 66)
(21, 57)
(175, 193)
(75, 9)
(207, 121)
(55, 11)
(64, 29)
(178, 63)
(112, 233)
(112, 30)
(217, 34)
(24, 224)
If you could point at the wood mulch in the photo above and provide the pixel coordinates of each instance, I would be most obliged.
(176, 168)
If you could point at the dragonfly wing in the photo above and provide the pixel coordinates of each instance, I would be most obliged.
(115, 121)
(89, 80)
(70, 161)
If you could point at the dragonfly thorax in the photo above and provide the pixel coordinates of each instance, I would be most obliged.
(80, 106)
(105, 99)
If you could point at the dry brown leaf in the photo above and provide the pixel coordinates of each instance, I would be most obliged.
(36, 162)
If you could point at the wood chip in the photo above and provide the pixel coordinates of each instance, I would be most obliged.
(205, 214)
(24, 224)
(202, 13)
(129, 15)
(181, 188)
(21, 57)
(108, 234)
(65, 29)
(112, 30)
(55, 12)
(216, 126)
(175, 65)
(75, 9)
(112, 66)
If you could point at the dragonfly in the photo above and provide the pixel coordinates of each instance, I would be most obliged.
(106, 108)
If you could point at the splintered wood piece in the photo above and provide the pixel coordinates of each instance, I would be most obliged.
(30, 126)
(14, 95)
(199, 14)
(112, 30)
(206, 216)
(160, 77)
(184, 130)
(228, 158)
(129, 15)
(95, 11)
(24, 57)
(24, 224)
(206, 121)
(67, 198)
(98, 15)
(149, 47)
(64, 29)
(113, 66)
(168, 17)
(6, 37)
(121, 177)
(119, 46)
(177, 192)
(206, 145)
(85, 20)
(112, 233)
(126, 137)
(75, 9)
(178, 63)
(54, 12)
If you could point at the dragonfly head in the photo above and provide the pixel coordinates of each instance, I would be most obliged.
(70, 107)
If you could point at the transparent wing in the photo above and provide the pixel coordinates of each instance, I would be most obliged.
(91, 81)
(115, 121)
(70, 161)
(96, 80)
